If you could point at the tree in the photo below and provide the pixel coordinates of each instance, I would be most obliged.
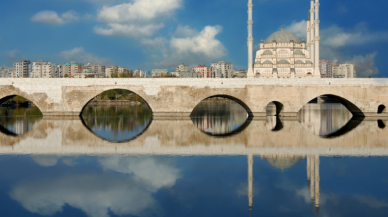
(19, 99)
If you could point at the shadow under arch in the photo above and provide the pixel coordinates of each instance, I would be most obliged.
(91, 99)
(349, 105)
(6, 98)
(7, 132)
(3, 129)
(121, 141)
(245, 106)
(351, 125)
(278, 107)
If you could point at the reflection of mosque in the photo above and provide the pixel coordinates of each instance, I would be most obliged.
(283, 162)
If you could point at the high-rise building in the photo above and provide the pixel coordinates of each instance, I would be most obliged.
(226, 68)
(344, 71)
(109, 71)
(335, 71)
(69, 69)
(99, 69)
(182, 68)
(347, 70)
(6, 72)
(325, 68)
(42, 69)
(205, 71)
(22, 69)
(159, 72)
(140, 73)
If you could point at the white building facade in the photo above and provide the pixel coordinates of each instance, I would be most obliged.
(159, 72)
(283, 55)
(42, 69)
(22, 69)
(225, 68)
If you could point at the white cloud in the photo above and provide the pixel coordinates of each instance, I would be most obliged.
(130, 30)
(335, 38)
(70, 15)
(93, 194)
(50, 17)
(45, 160)
(137, 18)
(154, 173)
(78, 54)
(194, 49)
(97, 194)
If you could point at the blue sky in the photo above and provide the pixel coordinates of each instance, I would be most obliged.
(151, 34)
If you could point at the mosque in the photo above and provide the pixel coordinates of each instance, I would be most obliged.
(282, 54)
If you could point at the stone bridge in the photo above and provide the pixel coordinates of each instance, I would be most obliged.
(178, 97)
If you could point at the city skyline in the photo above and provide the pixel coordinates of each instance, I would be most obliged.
(168, 35)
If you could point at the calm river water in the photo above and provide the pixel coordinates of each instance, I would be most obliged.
(120, 161)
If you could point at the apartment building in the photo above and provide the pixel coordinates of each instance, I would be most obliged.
(325, 68)
(205, 71)
(225, 68)
(99, 69)
(159, 72)
(347, 70)
(42, 69)
(6, 72)
(182, 68)
(21, 69)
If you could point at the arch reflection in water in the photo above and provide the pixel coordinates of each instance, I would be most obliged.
(326, 119)
(117, 123)
(18, 116)
(220, 117)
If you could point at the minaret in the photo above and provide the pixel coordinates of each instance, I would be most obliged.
(308, 32)
(312, 31)
(317, 180)
(317, 39)
(250, 41)
(250, 182)
(312, 174)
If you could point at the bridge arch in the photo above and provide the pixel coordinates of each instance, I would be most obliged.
(239, 101)
(92, 95)
(346, 102)
(4, 98)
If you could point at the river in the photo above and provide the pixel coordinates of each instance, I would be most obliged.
(122, 161)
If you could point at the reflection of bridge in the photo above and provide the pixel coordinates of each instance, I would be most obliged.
(178, 97)
(181, 137)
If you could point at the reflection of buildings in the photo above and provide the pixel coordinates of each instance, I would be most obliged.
(324, 119)
(231, 117)
(282, 162)
(21, 126)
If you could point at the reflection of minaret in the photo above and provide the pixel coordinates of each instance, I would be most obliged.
(313, 175)
(250, 182)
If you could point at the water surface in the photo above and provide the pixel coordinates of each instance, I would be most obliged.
(118, 161)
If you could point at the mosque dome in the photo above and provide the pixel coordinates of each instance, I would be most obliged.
(282, 36)
(298, 52)
(282, 162)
